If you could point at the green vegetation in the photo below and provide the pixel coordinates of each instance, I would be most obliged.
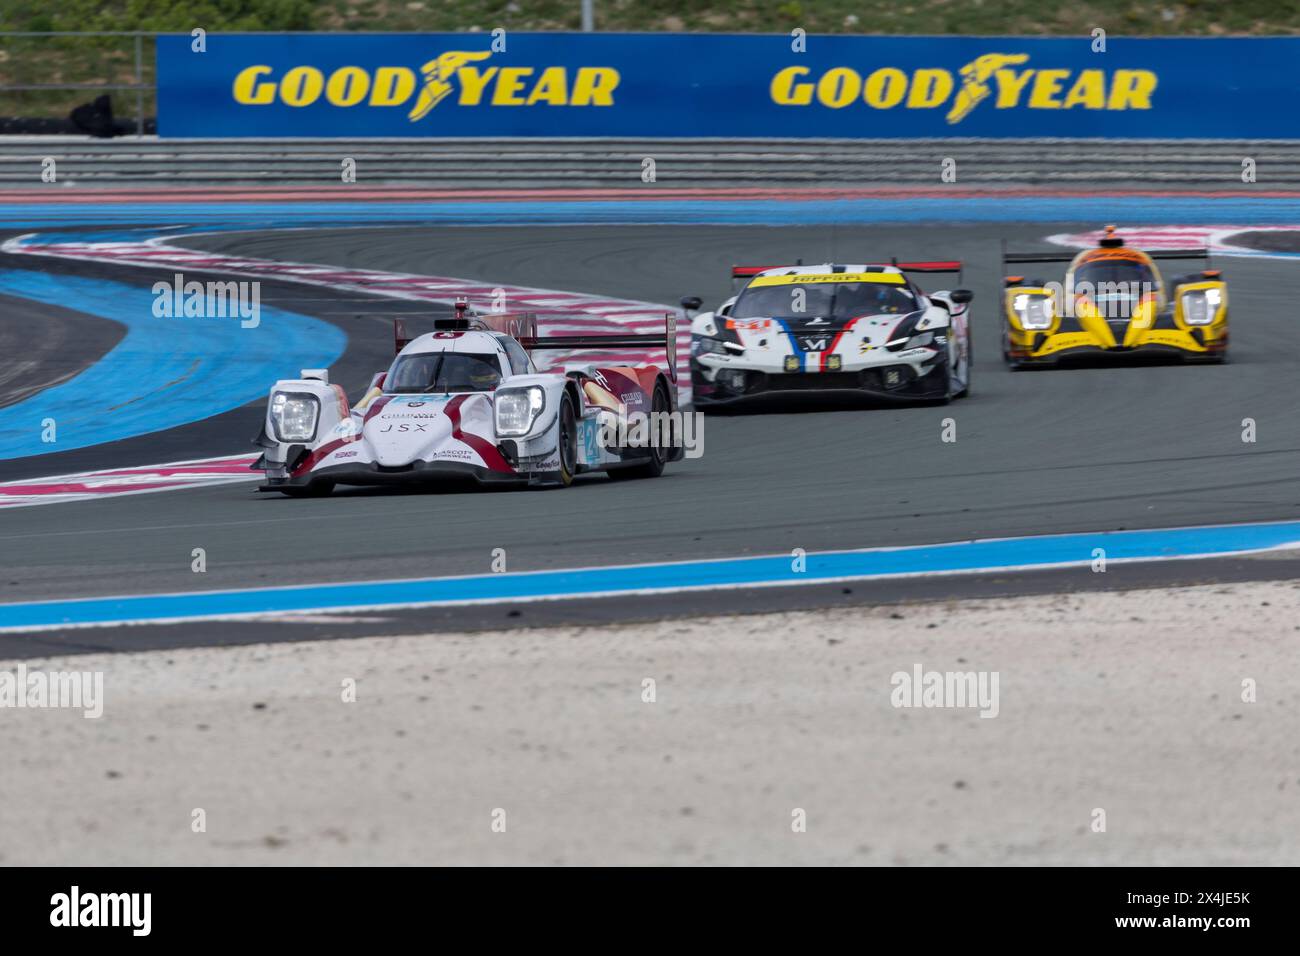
(111, 59)
(1018, 17)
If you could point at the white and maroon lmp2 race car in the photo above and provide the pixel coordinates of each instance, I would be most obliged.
(466, 401)
(862, 328)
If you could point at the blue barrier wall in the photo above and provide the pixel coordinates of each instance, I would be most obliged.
(572, 84)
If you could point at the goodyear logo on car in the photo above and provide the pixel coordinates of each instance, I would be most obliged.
(1004, 79)
(724, 86)
(461, 75)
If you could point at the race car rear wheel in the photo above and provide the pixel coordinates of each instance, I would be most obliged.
(654, 467)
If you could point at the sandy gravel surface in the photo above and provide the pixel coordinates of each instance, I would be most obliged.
(1126, 702)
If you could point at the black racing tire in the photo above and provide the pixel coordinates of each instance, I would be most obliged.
(698, 382)
(1012, 364)
(317, 489)
(970, 359)
(654, 466)
(948, 385)
(567, 440)
(1006, 355)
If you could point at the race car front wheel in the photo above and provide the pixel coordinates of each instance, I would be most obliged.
(1006, 354)
(568, 441)
(967, 362)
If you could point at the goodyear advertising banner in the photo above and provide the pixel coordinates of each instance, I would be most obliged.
(665, 85)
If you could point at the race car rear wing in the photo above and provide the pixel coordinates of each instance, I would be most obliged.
(952, 266)
(519, 325)
(742, 274)
(1015, 258)
(401, 338)
(1109, 239)
(522, 326)
(1012, 257)
(668, 341)
(946, 265)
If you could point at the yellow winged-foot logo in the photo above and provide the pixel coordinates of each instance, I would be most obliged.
(437, 79)
(974, 81)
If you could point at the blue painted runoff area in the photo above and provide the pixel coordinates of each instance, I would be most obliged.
(164, 372)
(1130, 210)
(970, 556)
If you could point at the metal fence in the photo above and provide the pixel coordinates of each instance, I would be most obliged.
(619, 164)
(27, 51)
(18, 64)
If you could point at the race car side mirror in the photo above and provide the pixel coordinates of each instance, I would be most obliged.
(961, 296)
(691, 302)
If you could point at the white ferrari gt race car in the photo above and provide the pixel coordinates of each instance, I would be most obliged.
(467, 401)
(863, 328)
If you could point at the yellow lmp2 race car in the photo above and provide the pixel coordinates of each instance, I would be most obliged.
(1113, 301)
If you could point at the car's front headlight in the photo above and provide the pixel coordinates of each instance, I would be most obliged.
(1200, 306)
(517, 410)
(707, 346)
(294, 415)
(1033, 312)
(910, 341)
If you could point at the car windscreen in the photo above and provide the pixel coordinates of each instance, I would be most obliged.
(1121, 275)
(1115, 286)
(443, 372)
(830, 300)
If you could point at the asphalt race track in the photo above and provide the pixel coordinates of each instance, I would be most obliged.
(54, 345)
(1095, 448)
